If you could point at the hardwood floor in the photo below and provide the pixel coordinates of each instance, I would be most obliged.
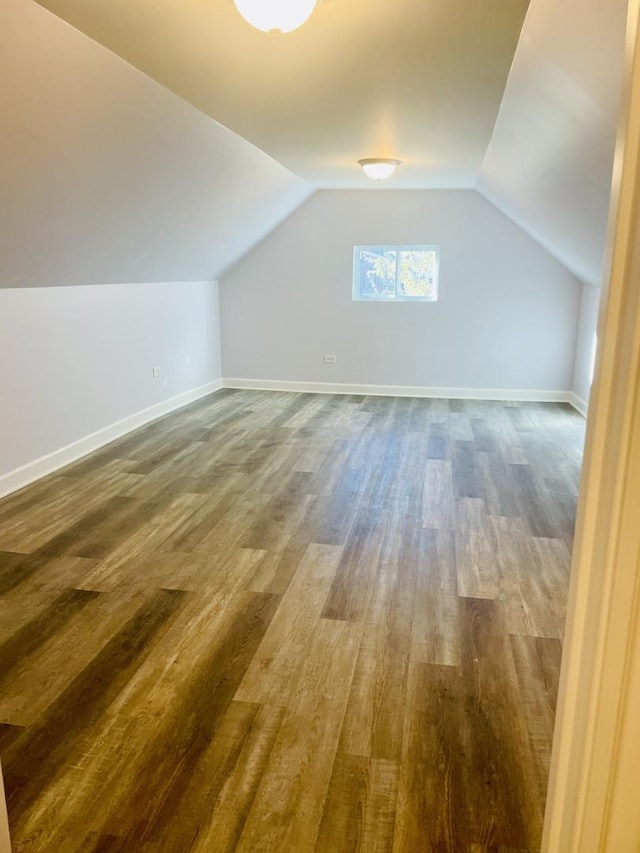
(290, 623)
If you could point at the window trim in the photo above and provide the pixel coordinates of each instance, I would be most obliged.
(357, 296)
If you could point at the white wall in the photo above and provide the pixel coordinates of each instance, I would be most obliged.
(105, 176)
(549, 163)
(75, 360)
(587, 326)
(506, 317)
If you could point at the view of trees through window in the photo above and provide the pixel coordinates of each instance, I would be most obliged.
(396, 272)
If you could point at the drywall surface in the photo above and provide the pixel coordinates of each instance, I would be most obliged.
(78, 359)
(105, 176)
(550, 160)
(585, 343)
(417, 79)
(506, 317)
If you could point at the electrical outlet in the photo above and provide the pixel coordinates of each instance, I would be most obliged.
(156, 372)
(330, 359)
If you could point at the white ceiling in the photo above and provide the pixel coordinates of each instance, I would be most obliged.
(419, 80)
(105, 176)
(549, 164)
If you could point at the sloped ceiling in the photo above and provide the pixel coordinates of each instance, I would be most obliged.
(105, 176)
(418, 80)
(549, 163)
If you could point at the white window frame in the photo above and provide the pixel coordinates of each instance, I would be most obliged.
(357, 296)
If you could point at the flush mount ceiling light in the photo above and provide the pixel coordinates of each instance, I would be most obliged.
(275, 16)
(378, 168)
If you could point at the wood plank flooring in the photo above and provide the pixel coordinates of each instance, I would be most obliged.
(290, 623)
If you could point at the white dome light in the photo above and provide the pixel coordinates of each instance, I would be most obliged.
(378, 168)
(279, 16)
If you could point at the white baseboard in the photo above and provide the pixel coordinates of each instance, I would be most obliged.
(26, 474)
(578, 403)
(400, 390)
(32, 471)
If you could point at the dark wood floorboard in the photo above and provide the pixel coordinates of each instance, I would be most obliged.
(291, 623)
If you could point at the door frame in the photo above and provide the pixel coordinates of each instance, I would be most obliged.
(592, 795)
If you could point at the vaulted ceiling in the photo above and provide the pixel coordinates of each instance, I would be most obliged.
(107, 177)
(418, 80)
(114, 166)
(549, 164)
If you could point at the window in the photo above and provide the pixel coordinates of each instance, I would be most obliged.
(396, 273)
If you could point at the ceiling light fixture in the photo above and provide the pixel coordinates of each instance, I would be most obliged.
(275, 16)
(378, 168)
